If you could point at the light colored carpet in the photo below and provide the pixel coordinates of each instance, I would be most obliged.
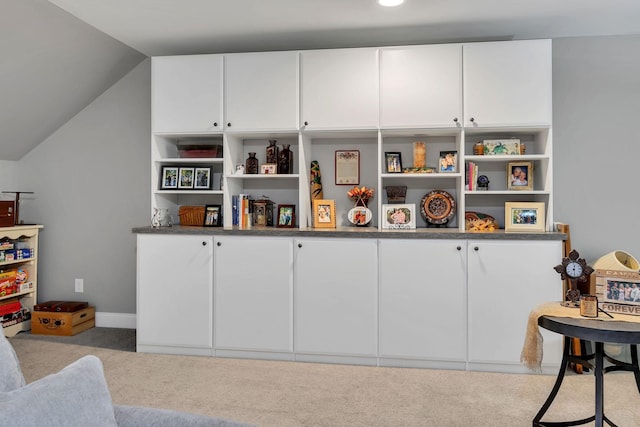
(268, 393)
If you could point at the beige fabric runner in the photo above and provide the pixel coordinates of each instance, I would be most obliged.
(531, 355)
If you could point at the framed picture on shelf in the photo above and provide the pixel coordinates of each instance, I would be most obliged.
(399, 216)
(268, 169)
(203, 178)
(520, 176)
(169, 178)
(286, 216)
(393, 161)
(212, 216)
(324, 213)
(448, 161)
(524, 216)
(186, 178)
(347, 167)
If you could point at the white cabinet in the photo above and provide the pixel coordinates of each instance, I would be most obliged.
(253, 294)
(261, 91)
(339, 88)
(336, 297)
(507, 83)
(19, 257)
(421, 86)
(506, 280)
(423, 302)
(175, 294)
(186, 93)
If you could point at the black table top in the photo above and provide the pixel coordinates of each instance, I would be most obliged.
(593, 329)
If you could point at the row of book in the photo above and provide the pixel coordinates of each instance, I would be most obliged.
(471, 176)
(241, 210)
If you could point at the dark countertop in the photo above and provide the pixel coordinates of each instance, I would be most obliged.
(352, 232)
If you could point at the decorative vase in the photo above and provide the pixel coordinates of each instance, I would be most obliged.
(272, 152)
(285, 160)
(251, 165)
(362, 202)
(316, 181)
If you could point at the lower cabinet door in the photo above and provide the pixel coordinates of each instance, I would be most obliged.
(174, 291)
(254, 293)
(423, 299)
(336, 284)
(506, 281)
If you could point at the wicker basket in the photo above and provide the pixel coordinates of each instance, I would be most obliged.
(191, 215)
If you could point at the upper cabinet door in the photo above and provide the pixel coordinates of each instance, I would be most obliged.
(339, 88)
(507, 83)
(261, 91)
(186, 94)
(421, 86)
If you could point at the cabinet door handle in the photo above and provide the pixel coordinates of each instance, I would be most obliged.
(229, 124)
(472, 119)
(219, 243)
(306, 123)
(459, 248)
(215, 124)
(455, 119)
(204, 243)
(299, 245)
(475, 248)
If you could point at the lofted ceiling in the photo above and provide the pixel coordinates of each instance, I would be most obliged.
(61, 54)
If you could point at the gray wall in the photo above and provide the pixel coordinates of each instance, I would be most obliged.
(92, 177)
(91, 180)
(596, 102)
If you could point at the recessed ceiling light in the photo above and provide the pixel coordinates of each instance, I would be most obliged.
(390, 3)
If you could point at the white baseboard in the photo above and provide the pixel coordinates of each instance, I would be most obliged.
(116, 320)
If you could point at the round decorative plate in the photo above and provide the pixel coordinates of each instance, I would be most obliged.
(437, 207)
(360, 216)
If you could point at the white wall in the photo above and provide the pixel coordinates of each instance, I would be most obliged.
(596, 101)
(9, 179)
(91, 183)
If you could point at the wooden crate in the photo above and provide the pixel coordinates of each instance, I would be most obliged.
(66, 324)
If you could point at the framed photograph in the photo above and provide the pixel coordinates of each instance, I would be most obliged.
(268, 168)
(448, 161)
(618, 290)
(324, 213)
(524, 216)
(347, 166)
(240, 169)
(213, 216)
(169, 178)
(399, 216)
(393, 161)
(286, 216)
(186, 178)
(520, 176)
(203, 179)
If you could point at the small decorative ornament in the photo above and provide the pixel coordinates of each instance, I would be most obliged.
(285, 160)
(574, 269)
(251, 164)
(360, 215)
(272, 152)
(483, 183)
(437, 208)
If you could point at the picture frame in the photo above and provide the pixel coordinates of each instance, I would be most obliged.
(520, 176)
(268, 168)
(347, 167)
(393, 162)
(286, 216)
(324, 213)
(608, 286)
(399, 216)
(202, 178)
(448, 162)
(186, 178)
(212, 216)
(524, 217)
(169, 178)
(239, 169)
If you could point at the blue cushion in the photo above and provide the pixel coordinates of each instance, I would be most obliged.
(75, 396)
(11, 376)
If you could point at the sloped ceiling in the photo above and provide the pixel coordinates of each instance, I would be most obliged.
(53, 65)
(59, 55)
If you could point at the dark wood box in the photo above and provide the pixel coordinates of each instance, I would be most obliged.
(7, 213)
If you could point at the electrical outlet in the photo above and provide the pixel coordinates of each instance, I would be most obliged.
(79, 285)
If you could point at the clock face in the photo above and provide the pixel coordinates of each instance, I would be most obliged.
(574, 269)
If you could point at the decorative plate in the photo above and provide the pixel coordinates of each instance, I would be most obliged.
(437, 207)
(359, 216)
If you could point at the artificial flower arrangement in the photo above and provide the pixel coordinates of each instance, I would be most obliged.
(361, 195)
